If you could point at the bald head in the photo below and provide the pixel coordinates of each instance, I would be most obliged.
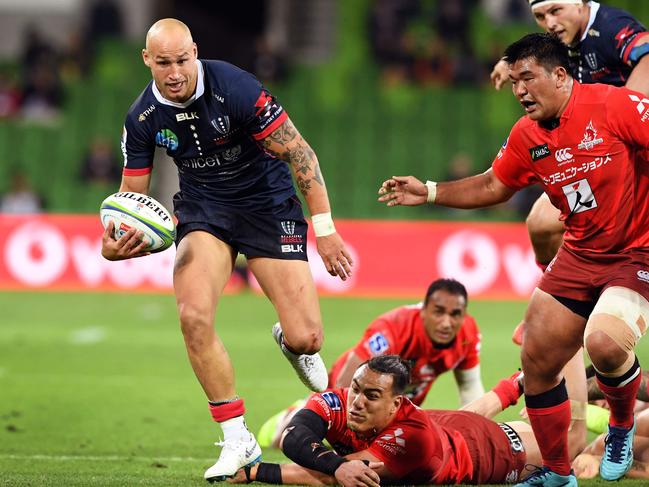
(167, 31)
(171, 53)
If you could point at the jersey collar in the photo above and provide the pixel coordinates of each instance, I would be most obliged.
(594, 8)
(200, 89)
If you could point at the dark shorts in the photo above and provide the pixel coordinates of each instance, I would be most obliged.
(496, 450)
(577, 280)
(279, 232)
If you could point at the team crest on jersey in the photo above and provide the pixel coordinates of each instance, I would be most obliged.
(590, 138)
(231, 154)
(221, 124)
(580, 196)
(167, 139)
(591, 59)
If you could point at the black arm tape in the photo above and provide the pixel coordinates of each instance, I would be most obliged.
(303, 443)
(269, 473)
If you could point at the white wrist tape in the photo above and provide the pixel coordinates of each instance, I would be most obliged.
(432, 191)
(323, 224)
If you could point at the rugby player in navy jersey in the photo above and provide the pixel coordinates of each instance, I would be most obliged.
(234, 147)
(606, 45)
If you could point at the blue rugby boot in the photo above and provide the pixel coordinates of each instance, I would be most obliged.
(544, 477)
(618, 452)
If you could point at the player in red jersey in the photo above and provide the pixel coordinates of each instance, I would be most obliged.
(606, 45)
(379, 436)
(585, 144)
(434, 336)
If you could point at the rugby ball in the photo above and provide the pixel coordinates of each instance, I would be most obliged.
(135, 210)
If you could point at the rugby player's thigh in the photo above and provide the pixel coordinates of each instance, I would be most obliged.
(203, 266)
(290, 287)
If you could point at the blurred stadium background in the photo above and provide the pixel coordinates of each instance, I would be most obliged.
(95, 389)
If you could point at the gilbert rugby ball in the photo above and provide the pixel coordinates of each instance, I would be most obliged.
(135, 210)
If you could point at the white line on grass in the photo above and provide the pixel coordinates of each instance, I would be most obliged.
(98, 458)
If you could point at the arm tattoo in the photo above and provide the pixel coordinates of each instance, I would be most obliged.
(286, 144)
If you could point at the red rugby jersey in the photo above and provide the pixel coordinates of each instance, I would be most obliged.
(412, 446)
(401, 332)
(592, 166)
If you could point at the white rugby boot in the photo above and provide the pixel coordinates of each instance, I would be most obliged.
(235, 454)
(310, 368)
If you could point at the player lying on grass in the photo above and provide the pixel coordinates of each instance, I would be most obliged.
(586, 465)
(379, 436)
(435, 336)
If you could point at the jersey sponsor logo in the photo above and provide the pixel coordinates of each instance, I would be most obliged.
(643, 275)
(145, 113)
(378, 343)
(221, 124)
(181, 117)
(514, 440)
(563, 155)
(332, 400)
(580, 196)
(641, 107)
(167, 139)
(200, 162)
(539, 152)
(590, 138)
(395, 437)
(593, 33)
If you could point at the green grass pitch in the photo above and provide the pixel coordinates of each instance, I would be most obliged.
(96, 390)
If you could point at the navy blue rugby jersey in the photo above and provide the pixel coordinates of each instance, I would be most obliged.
(604, 54)
(213, 139)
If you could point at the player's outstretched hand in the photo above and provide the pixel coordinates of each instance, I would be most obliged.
(500, 74)
(335, 256)
(404, 191)
(355, 473)
(127, 246)
(586, 466)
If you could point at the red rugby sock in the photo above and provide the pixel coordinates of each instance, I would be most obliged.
(549, 414)
(621, 394)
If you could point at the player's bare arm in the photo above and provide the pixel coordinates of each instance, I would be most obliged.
(351, 365)
(639, 78)
(473, 192)
(287, 144)
(130, 244)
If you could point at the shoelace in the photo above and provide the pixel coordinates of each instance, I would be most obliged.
(615, 447)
